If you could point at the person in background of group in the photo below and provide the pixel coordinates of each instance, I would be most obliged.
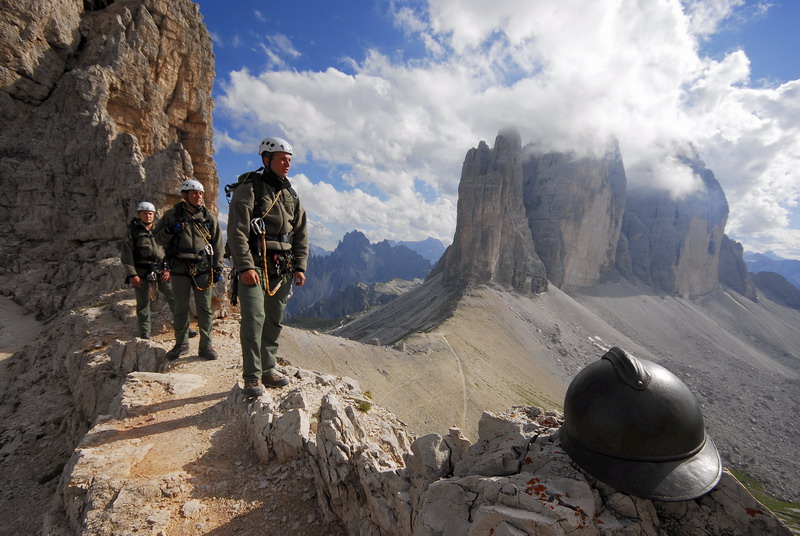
(194, 249)
(145, 269)
(268, 242)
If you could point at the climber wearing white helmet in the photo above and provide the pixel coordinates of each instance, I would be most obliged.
(194, 251)
(268, 241)
(145, 269)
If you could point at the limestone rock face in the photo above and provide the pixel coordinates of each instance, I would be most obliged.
(492, 242)
(574, 208)
(674, 244)
(104, 104)
(733, 270)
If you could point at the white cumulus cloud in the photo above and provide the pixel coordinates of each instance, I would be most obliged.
(566, 74)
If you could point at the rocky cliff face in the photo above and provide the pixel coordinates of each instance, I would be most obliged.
(673, 244)
(104, 104)
(574, 208)
(584, 225)
(733, 270)
(492, 242)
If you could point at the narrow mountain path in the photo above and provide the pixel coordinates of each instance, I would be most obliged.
(463, 381)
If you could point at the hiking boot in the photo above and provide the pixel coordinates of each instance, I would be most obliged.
(144, 336)
(192, 334)
(208, 353)
(252, 389)
(274, 379)
(177, 351)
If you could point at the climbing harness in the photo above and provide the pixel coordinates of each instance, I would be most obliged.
(284, 261)
(209, 252)
(260, 230)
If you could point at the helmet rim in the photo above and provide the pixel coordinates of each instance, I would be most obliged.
(673, 480)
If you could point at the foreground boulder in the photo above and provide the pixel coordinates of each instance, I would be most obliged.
(516, 479)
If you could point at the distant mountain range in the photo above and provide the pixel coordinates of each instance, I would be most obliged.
(356, 261)
(430, 248)
(770, 262)
(315, 250)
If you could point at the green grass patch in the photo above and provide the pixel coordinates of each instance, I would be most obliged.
(363, 406)
(788, 512)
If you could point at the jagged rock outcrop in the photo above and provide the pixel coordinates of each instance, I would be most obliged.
(778, 289)
(673, 244)
(492, 243)
(733, 270)
(516, 479)
(574, 206)
(354, 261)
(104, 104)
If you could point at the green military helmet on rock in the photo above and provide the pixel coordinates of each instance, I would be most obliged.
(636, 426)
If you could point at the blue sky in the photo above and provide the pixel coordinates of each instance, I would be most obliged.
(382, 99)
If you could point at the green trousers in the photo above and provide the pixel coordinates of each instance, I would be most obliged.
(143, 317)
(182, 288)
(261, 326)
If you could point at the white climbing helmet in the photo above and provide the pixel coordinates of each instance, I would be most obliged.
(145, 206)
(273, 145)
(192, 184)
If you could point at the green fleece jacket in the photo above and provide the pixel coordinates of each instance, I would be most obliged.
(285, 216)
(189, 243)
(139, 250)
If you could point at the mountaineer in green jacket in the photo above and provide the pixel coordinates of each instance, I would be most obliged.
(268, 242)
(194, 249)
(144, 264)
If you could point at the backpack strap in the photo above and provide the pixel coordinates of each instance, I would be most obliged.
(259, 192)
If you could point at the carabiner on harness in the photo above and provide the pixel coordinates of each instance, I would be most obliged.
(152, 287)
(193, 273)
(260, 229)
